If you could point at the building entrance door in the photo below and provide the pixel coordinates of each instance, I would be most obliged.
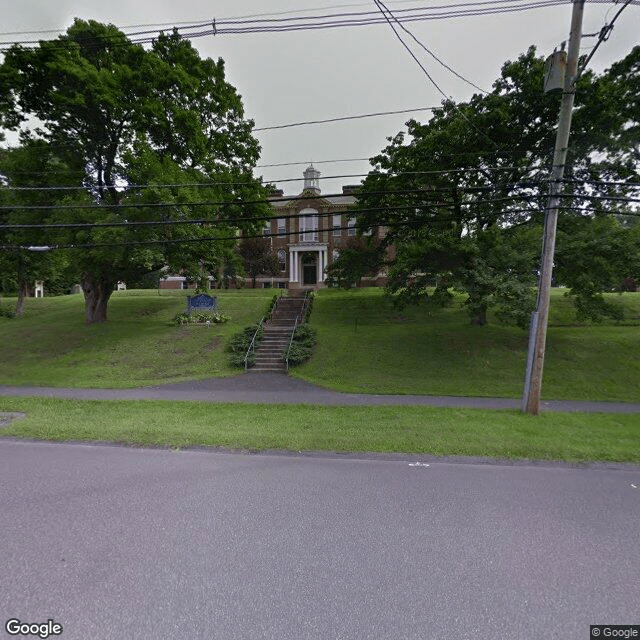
(309, 274)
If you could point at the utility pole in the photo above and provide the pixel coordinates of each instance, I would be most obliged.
(540, 317)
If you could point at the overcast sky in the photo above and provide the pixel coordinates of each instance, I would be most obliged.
(312, 75)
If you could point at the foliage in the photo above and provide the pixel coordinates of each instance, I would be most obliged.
(6, 312)
(32, 164)
(272, 304)
(301, 349)
(258, 258)
(366, 345)
(310, 298)
(200, 318)
(360, 257)
(53, 346)
(503, 434)
(460, 198)
(595, 256)
(240, 342)
(122, 115)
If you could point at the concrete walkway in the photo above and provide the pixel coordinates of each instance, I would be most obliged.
(275, 388)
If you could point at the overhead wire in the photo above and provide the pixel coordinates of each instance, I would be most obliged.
(387, 14)
(341, 118)
(265, 181)
(436, 58)
(319, 215)
(603, 36)
(217, 27)
(171, 241)
(208, 21)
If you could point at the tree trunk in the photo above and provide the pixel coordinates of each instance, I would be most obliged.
(97, 292)
(481, 318)
(23, 292)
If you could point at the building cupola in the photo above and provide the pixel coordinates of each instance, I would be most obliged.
(312, 179)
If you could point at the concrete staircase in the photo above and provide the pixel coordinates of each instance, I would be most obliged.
(277, 333)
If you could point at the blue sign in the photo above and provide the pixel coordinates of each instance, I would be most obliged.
(202, 301)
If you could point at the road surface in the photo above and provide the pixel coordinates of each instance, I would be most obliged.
(114, 542)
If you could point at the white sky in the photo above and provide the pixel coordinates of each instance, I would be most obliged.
(312, 75)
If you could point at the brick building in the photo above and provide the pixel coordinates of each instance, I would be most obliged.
(317, 227)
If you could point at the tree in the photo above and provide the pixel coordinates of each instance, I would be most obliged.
(122, 116)
(32, 163)
(360, 257)
(258, 257)
(462, 196)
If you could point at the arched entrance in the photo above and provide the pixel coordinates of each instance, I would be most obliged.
(309, 269)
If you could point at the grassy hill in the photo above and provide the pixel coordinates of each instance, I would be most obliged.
(138, 346)
(366, 345)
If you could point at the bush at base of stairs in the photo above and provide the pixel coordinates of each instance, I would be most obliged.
(304, 340)
(240, 343)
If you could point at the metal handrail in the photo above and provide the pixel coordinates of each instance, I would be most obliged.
(252, 344)
(293, 333)
(299, 320)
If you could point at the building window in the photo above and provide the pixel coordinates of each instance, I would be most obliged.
(337, 224)
(282, 225)
(282, 285)
(282, 260)
(335, 255)
(352, 227)
(308, 225)
(267, 228)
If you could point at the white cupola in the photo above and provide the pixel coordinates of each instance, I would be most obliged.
(312, 179)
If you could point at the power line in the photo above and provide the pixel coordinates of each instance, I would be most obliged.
(218, 27)
(223, 203)
(435, 57)
(280, 180)
(291, 164)
(384, 10)
(341, 118)
(327, 214)
(171, 241)
(462, 6)
(604, 34)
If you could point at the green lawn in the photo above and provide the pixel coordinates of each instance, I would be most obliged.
(138, 346)
(571, 437)
(366, 345)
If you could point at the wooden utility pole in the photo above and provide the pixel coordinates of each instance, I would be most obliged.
(540, 317)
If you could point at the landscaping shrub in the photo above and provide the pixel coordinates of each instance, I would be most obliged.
(201, 317)
(304, 340)
(312, 296)
(7, 312)
(240, 343)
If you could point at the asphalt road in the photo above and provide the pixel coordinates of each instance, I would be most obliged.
(276, 388)
(115, 543)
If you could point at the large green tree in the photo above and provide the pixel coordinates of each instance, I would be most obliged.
(130, 121)
(258, 258)
(461, 197)
(30, 180)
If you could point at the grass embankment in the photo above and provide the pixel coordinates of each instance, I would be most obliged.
(366, 345)
(421, 430)
(138, 346)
